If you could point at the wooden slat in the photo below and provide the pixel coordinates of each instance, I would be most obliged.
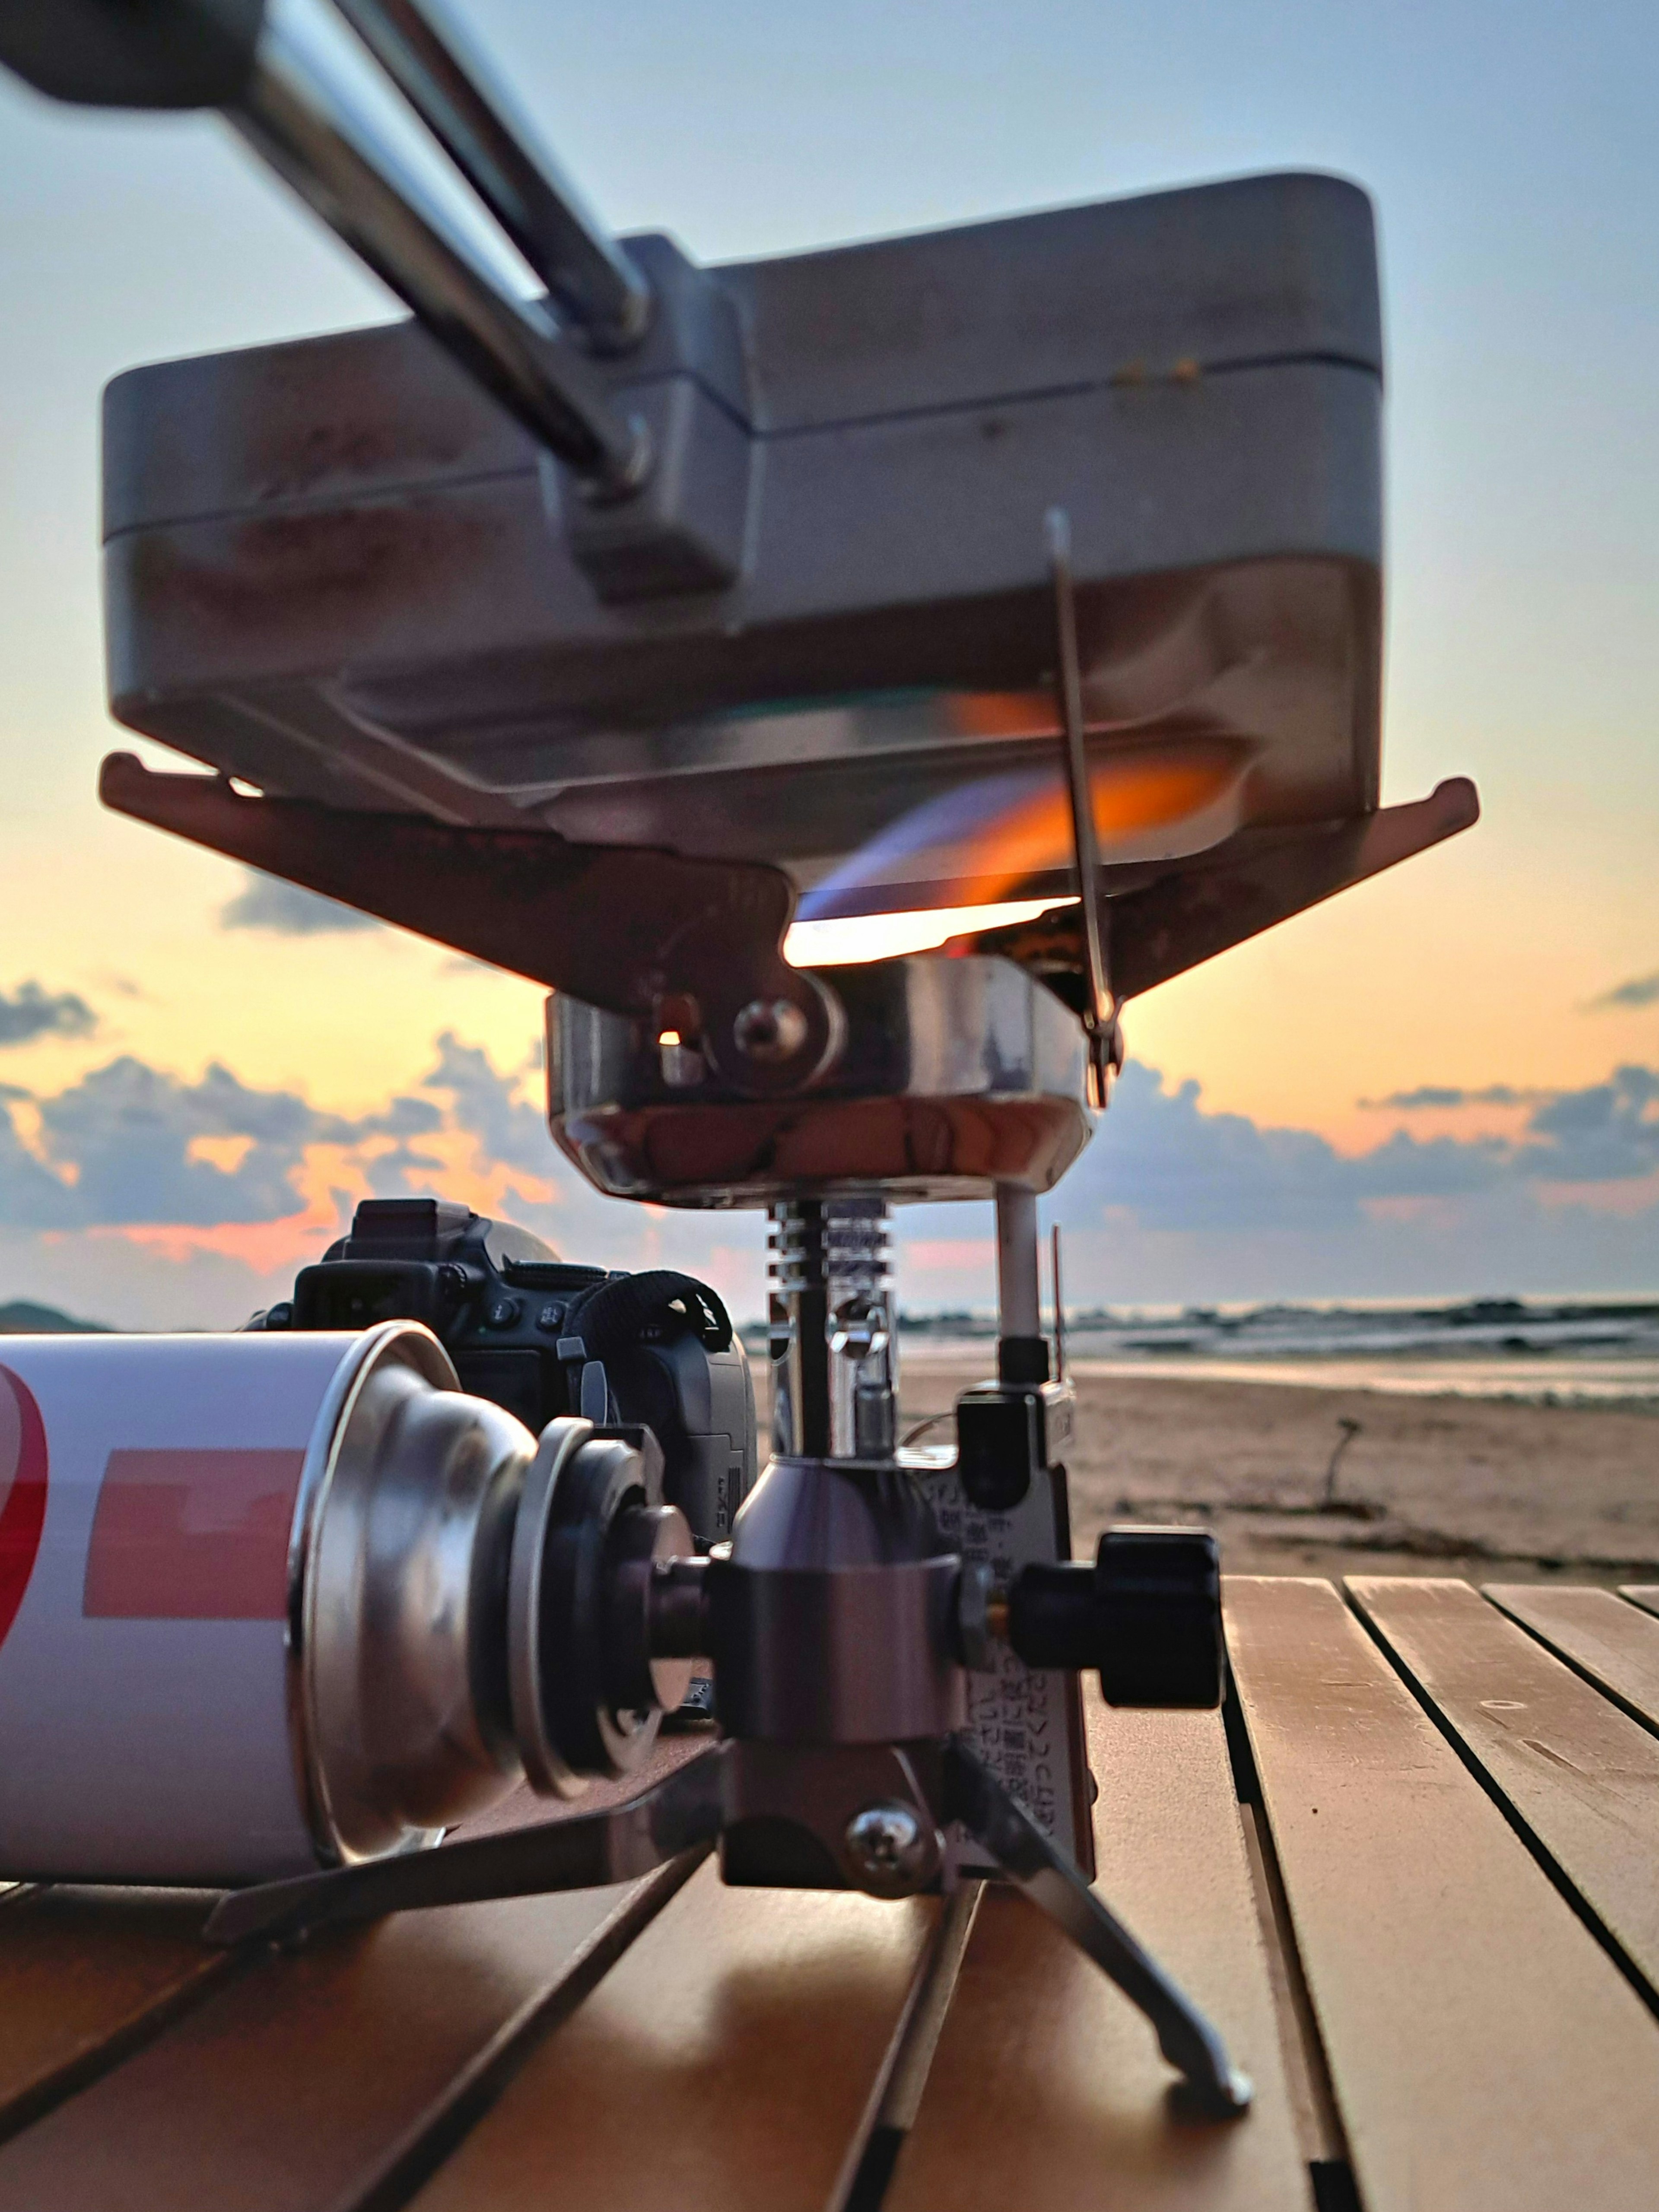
(1582, 1776)
(1646, 1595)
(295, 2086)
(1612, 1642)
(1047, 2090)
(1487, 2054)
(724, 2064)
(83, 1973)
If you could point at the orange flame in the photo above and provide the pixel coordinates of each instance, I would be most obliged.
(1129, 797)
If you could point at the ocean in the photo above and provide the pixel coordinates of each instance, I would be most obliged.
(1588, 1352)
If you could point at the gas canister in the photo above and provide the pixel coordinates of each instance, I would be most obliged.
(244, 1588)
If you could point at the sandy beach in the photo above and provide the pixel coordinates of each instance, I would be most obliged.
(1482, 1487)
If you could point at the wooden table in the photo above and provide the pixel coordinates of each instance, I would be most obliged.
(1413, 1873)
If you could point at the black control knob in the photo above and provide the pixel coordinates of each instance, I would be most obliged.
(1146, 1616)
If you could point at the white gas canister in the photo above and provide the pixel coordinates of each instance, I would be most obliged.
(242, 1586)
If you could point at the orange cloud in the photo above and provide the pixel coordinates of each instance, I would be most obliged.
(264, 1246)
(950, 1252)
(1624, 1200)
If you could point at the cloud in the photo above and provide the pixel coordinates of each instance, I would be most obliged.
(1171, 1202)
(509, 1127)
(130, 1143)
(31, 1195)
(156, 1201)
(131, 1147)
(1607, 1133)
(31, 1012)
(286, 910)
(1172, 1166)
(1639, 990)
(1429, 1096)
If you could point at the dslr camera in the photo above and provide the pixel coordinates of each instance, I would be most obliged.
(542, 1336)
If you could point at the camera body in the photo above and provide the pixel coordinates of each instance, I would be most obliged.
(543, 1336)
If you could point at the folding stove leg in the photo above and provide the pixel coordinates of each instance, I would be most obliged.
(973, 1796)
(686, 1812)
(587, 1851)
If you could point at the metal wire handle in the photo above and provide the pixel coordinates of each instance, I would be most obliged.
(297, 111)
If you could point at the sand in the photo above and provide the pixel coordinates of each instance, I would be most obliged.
(1485, 1488)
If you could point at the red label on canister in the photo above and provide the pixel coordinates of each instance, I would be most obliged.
(23, 1492)
(192, 1536)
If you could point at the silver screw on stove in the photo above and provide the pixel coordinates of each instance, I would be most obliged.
(891, 1852)
(769, 1029)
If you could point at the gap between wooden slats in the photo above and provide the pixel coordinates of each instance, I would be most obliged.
(87, 1976)
(897, 2092)
(1583, 1777)
(723, 2065)
(1646, 1595)
(1611, 1641)
(1486, 2054)
(1047, 2089)
(1306, 2080)
(290, 2089)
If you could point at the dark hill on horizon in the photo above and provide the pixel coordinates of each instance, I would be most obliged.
(22, 1317)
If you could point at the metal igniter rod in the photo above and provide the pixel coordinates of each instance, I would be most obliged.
(1100, 1007)
(1059, 1305)
(298, 115)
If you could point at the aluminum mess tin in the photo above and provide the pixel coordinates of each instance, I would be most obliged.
(243, 1583)
(337, 569)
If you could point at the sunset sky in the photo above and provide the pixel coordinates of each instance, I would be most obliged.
(1445, 1082)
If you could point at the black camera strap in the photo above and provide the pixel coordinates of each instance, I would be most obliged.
(616, 1320)
(616, 1313)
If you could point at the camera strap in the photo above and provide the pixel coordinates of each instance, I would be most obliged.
(615, 1320)
(616, 1313)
